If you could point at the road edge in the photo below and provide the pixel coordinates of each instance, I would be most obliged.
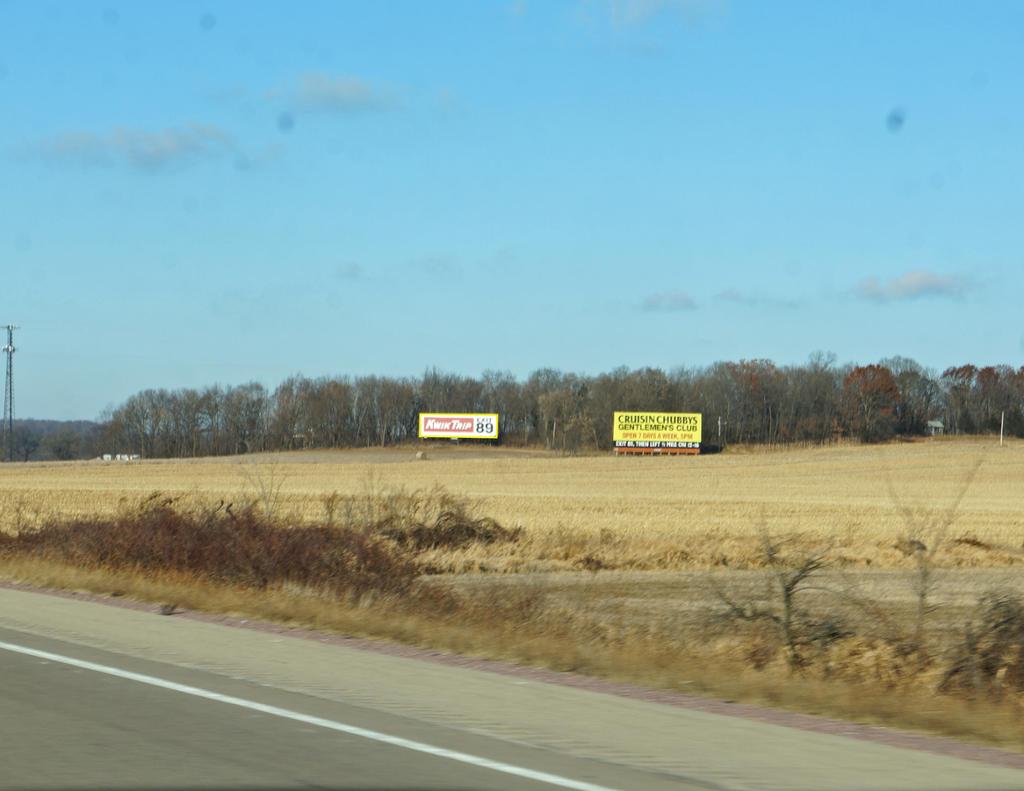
(938, 745)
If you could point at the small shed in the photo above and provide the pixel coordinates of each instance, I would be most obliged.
(935, 428)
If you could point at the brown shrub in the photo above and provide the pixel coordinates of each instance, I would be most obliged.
(365, 544)
(246, 548)
(421, 520)
(989, 658)
(451, 530)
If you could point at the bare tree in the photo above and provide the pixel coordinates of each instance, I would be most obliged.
(757, 402)
(788, 576)
(265, 480)
(925, 532)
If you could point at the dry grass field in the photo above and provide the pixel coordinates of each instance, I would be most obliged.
(665, 571)
(611, 513)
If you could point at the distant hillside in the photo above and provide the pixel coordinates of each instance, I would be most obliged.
(62, 440)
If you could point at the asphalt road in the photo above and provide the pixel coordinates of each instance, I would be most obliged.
(97, 697)
(73, 726)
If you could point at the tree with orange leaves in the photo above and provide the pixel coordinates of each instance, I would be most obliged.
(870, 397)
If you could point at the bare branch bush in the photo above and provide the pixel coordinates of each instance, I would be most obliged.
(789, 575)
(989, 657)
(265, 480)
(330, 503)
(925, 532)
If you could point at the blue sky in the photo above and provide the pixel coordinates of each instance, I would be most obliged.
(198, 193)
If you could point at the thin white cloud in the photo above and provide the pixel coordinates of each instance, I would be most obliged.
(917, 284)
(754, 300)
(630, 13)
(331, 93)
(139, 148)
(668, 302)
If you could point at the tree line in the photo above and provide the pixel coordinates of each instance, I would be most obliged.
(53, 440)
(750, 401)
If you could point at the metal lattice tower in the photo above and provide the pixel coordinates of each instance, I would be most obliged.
(8, 428)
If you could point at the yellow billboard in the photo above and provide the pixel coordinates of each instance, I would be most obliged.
(657, 431)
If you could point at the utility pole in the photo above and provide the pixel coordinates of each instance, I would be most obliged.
(9, 394)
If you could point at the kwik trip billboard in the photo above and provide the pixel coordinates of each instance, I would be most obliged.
(447, 425)
(657, 432)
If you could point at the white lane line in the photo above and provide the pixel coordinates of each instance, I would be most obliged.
(353, 730)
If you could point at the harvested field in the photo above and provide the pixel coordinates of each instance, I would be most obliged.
(609, 513)
(667, 571)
